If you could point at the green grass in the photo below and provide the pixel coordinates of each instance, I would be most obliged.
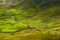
(43, 19)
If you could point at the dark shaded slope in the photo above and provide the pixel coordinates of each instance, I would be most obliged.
(42, 4)
(46, 3)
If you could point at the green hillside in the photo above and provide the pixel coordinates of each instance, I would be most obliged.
(30, 19)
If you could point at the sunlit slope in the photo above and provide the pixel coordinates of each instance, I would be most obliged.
(31, 13)
(45, 19)
(31, 20)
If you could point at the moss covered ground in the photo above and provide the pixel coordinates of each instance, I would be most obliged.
(14, 24)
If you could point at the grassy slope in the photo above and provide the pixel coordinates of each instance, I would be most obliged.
(44, 19)
(37, 20)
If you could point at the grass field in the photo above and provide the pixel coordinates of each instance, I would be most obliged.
(14, 24)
